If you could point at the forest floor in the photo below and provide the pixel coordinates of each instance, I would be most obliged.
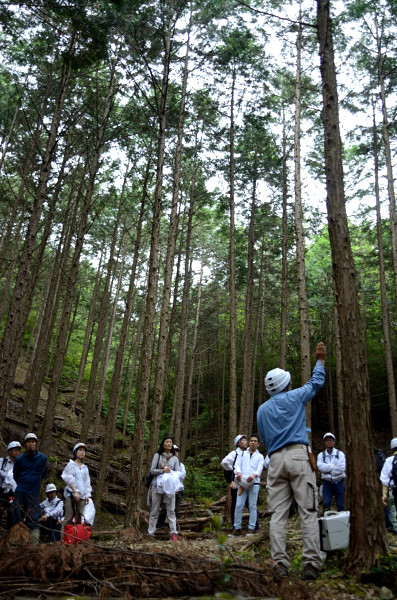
(125, 564)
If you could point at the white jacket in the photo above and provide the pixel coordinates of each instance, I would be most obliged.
(53, 509)
(230, 459)
(249, 465)
(7, 481)
(386, 473)
(76, 475)
(332, 466)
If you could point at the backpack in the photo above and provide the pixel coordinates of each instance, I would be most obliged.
(229, 475)
(394, 472)
(380, 458)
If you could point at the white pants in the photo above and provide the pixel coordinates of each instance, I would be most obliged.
(157, 500)
(290, 475)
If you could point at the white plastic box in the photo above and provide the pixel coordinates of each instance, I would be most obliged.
(334, 530)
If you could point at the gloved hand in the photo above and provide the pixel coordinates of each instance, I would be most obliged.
(385, 495)
(320, 352)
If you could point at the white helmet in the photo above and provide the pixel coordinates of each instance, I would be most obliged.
(238, 438)
(30, 436)
(329, 434)
(393, 443)
(12, 445)
(77, 446)
(50, 488)
(277, 380)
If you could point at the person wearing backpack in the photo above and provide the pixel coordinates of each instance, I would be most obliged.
(228, 465)
(388, 475)
(7, 482)
(380, 457)
(332, 465)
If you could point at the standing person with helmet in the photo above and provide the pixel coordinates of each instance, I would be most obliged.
(388, 477)
(78, 484)
(332, 465)
(248, 469)
(282, 426)
(7, 481)
(228, 464)
(30, 468)
(52, 509)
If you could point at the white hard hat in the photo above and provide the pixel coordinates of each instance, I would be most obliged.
(12, 445)
(238, 438)
(393, 443)
(329, 434)
(79, 445)
(30, 436)
(50, 488)
(277, 380)
(175, 447)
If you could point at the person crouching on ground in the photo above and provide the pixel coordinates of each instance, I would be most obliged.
(164, 461)
(78, 484)
(248, 469)
(52, 509)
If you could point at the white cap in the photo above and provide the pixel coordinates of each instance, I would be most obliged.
(12, 445)
(175, 447)
(79, 445)
(238, 438)
(329, 434)
(393, 443)
(50, 488)
(30, 436)
(277, 380)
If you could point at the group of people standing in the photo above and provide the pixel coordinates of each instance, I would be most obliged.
(21, 474)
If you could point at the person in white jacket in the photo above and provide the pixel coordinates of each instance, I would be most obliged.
(78, 484)
(228, 464)
(248, 470)
(7, 481)
(388, 475)
(332, 465)
(52, 509)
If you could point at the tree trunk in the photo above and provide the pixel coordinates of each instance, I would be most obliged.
(247, 399)
(284, 251)
(367, 524)
(72, 279)
(159, 385)
(137, 447)
(189, 390)
(88, 333)
(232, 282)
(300, 239)
(14, 327)
(391, 387)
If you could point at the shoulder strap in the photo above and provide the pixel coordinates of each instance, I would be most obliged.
(235, 458)
(337, 454)
(324, 456)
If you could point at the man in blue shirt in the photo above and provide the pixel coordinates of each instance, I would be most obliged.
(282, 426)
(29, 470)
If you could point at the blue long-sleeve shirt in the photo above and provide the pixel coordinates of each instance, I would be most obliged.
(281, 420)
(29, 470)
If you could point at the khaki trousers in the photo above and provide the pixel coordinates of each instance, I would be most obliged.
(157, 500)
(290, 475)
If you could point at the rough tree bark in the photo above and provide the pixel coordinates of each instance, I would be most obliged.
(367, 526)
